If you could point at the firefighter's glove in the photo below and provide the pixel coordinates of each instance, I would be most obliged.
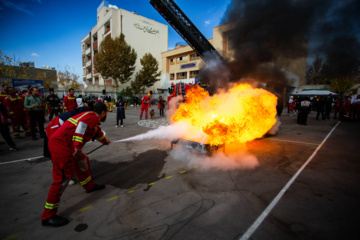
(107, 142)
(77, 153)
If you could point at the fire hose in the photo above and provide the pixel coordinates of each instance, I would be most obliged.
(95, 149)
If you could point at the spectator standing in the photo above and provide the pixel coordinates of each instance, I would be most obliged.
(90, 103)
(70, 101)
(120, 111)
(303, 111)
(34, 103)
(320, 105)
(4, 128)
(4, 93)
(328, 106)
(54, 104)
(136, 101)
(16, 112)
(291, 106)
(161, 105)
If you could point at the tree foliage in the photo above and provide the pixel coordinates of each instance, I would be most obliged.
(342, 85)
(148, 75)
(68, 79)
(126, 92)
(6, 65)
(116, 59)
(340, 75)
(45, 78)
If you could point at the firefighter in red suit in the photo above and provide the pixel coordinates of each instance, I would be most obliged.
(65, 147)
(4, 93)
(70, 101)
(144, 106)
(15, 107)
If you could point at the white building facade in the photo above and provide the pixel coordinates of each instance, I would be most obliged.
(143, 34)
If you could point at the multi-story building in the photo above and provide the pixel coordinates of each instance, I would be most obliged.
(143, 34)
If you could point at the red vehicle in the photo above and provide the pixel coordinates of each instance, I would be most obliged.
(179, 89)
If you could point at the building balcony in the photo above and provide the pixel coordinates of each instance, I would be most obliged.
(88, 52)
(106, 32)
(88, 76)
(88, 63)
(182, 61)
(95, 44)
(181, 77)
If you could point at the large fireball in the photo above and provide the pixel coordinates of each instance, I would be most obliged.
(240, 115)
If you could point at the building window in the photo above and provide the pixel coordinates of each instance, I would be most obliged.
(172, 61)
(172, 76)
(96, 80)
(194, 56)
(194, 74)
(182, 59)
(181, 75)
(107, 27)
(231, 42)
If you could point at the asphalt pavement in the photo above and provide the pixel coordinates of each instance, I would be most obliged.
(302, 183)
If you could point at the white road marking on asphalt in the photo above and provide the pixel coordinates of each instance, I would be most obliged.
(21, 160)
(268, 209)
(283, 140)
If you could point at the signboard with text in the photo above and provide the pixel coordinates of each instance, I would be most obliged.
(23, 84)
(188, 65)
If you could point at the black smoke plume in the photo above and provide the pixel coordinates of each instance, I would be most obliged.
(269, 34)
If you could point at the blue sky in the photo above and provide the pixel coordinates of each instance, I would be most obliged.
(49, 32)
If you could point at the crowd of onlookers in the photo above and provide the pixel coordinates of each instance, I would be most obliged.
(29, 109)
(326, 107)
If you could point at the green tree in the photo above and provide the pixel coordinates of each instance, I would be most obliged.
(314, 72)
(343, 85)
(6, 65)
(137, 85)
(68, 79)
(149, 74)
(116, 59)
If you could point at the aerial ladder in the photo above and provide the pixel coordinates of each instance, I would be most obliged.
(171, 12)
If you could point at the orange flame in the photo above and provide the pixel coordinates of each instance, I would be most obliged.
(237, 116)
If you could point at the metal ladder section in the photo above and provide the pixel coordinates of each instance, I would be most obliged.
(185, 28)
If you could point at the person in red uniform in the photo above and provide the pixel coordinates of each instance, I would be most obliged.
(15, 108)
(4, 93)
(65, 146)
(144, 106)
(70, 101)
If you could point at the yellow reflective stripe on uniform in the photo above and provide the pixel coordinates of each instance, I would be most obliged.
(51, 206)
(85, 181)
(11, 112)
(73, 121)
(77, 139)
(101, 138)
(82, 116)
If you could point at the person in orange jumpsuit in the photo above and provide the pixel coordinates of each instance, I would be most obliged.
(70, 101)
(144, 106)
(16, 112)
(65, 146)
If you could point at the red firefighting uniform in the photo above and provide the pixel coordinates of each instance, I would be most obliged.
(73, 134)
(144, 106)
(15, 108)
(69, 103)
(3, 95)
